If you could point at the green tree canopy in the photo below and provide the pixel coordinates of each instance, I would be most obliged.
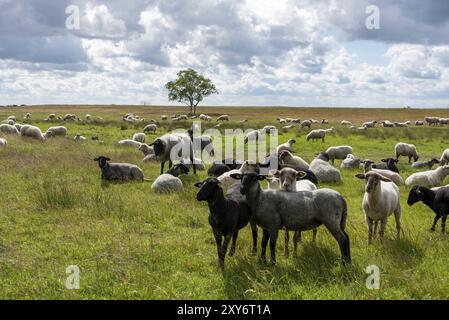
(190, 88)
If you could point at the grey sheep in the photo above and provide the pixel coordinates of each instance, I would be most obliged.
(324, 171)
(119, 171)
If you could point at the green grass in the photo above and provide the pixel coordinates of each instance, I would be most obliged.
(131, 243)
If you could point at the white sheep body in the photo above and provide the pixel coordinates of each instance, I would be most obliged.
(58, 131)
(129, 143)
(32, 132)
(166, 183)
(8, 129)
(339, 152)
(444, 157)
(405, 149)
(140, 137)
(429, 179)
(324, 171)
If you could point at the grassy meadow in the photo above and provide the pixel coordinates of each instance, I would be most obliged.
(131, 243)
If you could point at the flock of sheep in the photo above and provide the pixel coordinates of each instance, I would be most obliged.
(293, 201)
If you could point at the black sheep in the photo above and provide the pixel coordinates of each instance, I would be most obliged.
(437, 200)
(178, 169)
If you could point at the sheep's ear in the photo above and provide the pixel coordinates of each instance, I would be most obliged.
(236, 176)
(300, 175)
(198, 184)
(360, 176)
(261, 178)
(107, 159)
(275, 173)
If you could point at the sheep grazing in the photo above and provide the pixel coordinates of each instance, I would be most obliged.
(369, 124)
(286, 146)
(407, 150)
(150, 128)
(425, 164)
(388, 164)
(419, 123)
(387, 124)
(217, 170)
(227, 215)
(437, 200)
(252, 136)
(9, 129)
(306, 123)
(3, 142)
(430, 178)
(294, 211)
(444, 159)
(316, 135)
(393, 176)
(18, 126)
(79, 137)
(323, 170)
(167, 183)
(119, 171)
(381, 199)
(27, 116)
(129, 143)
(339, 152)
(140, 137)
(288, 159)
(346, 123)
(350, 162)
(432, 120)
(33, 132)
(444, 121)
(223, 117)
(58, 131)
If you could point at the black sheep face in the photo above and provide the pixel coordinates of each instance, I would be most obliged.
(414, 196)
(208, 188)
(102, 161)
(248, 180)
(183, 169)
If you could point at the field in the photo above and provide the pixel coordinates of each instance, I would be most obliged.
(131, 243)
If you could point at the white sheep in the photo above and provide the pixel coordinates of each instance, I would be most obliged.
(286, 146)
(33, 132)
(306, 123)
(432, 120)
(166, 183)
(316, 135)
(129, 143)
(252, 135)
(339, 152)
(429, 179)
(346, 123)
(323, 170)
(58, 131)
(369, 124)
(146, 149)
(223, 117)
(8, 129)
(408, 150)
(139, 137)
(79, 137)
(444, 157)
(381, 199)
(350, 162)
(150, 128)
(393, 176)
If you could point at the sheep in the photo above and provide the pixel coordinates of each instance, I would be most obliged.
(295, 120)
(150, 128)
(422, 164)
(118, 171)
(295, 211)
(11, 122)
(306, 123)
(164, 117)
(252, 136)
(290, 126)
(369, 124)
(339, 152)
(444, 121)
(269, 129)
(361, 128)
(163, 148)
(346, 123)
(432, 120)
(27, 116)
(381, 199)
(324, 121)
(316, 135)
(79, 137)
(287, 158)
(129, 143)
(408, 150)
(217, 169)
(419, 123)
(3, 142)
(350, 162)
(9, 129)
(444, 159)
(430, 178)
(286, 146)
(437, 200)
(178, 169)
(401, 124)
(58, 131)
(146, 149)
(388, 164)
(227, 181)
(166, 183)
(323, 170)
(227, 215)
(88, 117)
(12, 118)
(140, 137)
(387, 124)
(34, 132)
(393, 176)
(281, 120)
(223, 117)
(18, 126)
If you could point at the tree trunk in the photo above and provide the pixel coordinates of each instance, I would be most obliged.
(191, 108)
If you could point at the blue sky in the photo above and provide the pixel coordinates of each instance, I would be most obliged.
(258, 52)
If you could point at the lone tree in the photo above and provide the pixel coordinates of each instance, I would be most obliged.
(190, 88)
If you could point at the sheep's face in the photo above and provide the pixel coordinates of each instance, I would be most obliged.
(285, 155)
(158, 146)
(102, 161)
(208, 189)
(372, 180)
(414, 196)
(249, 180)
(183, 169)
(416, 158)
(288, 177)
(391, 163)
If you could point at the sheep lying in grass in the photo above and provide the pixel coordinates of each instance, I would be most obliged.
(297, 211)
(287, 158)
(339, 152)
(58, 131)
(381, 199)
(437, 200)
(388, 164)
(8, 129)
(350, 162)
(286, 146)
(119, 171)
(217, 169)
(139, 137)
(444, 159)
(178, 169)
(425, 164)
(324, 171)
(3, 142)
(33, 132)
(430, 178)
(393, 176)
(129, 143)
(407, 150)
(227, 215)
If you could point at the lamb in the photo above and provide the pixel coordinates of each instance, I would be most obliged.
(3, 142)
(346, 123)
(369, 124)
(223, 117)
(350, 162)
(118, 171)
(129, 143)
(286, 146)
(339, 152)
(324, 171)
(393, 176)
(163, 148)
(408, 150)
(140, 137)
(306, 123)
(444, 159)
(150, 128)
(422, 164)
(430, 178)
(287, 158)
(8, 129)
(227, 215)
(217, 169)
(58, 131)
(296, 211)
(381, 199)
(388, 164)
(316, 135)
(33, 132)
(437, 200)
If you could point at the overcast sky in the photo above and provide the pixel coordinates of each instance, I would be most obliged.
(258, 52)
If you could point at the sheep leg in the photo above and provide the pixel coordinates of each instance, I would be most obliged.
(273, 239)
(376, 224)
(343, 241)
(265, 237)
(162, 167)
(170, 164)
(296, 239)
(314, 234)
(443, 223)
(369, 222)
(397, 216)
(286, 238)
(218, 240)
(383, 224)
(254, 233)
(437, 217)
(226, 241)
(234, 241)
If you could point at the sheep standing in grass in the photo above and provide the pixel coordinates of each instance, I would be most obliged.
(150, 128)
(3, 142)
(432, 120)
(252, 136)
(369, 124)
(381, 199)
(346, 123)
(437, 200)
(407, 150)
(316, 134)
(119, 171)
(425, 164)
(9, 129)
(324, 171)
(350, 162)
(297, 211)
(444, 159)
(419, 123)
(306, 123)
(339, 152)
(223, 117)
(33, 132)
(140, 137)
(430, 178)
